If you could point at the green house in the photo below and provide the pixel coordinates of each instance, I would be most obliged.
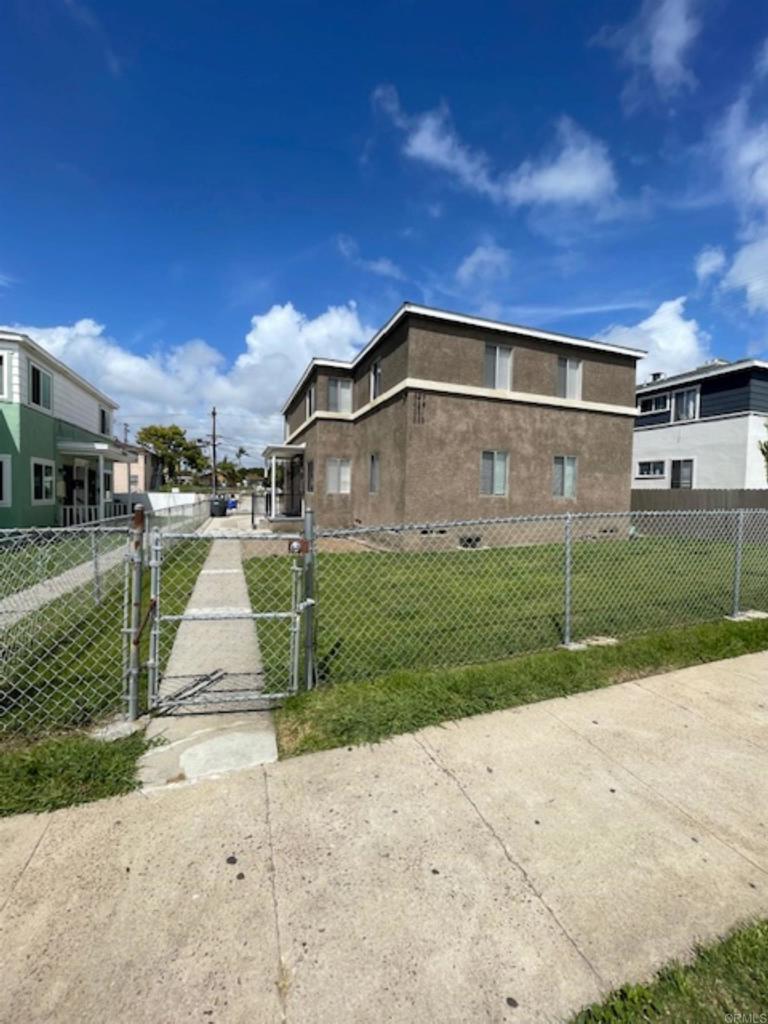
(56, 445)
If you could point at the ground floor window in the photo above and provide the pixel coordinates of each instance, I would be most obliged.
(309, 469)
(5, 481)
(493, 472)
(373, 473)
(653, 468)
(564, 476)
(682, 474)
(108, 485)
(338, 476)
(43, 477)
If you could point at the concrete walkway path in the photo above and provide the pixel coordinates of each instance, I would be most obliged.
(227, 645)
(509, 867)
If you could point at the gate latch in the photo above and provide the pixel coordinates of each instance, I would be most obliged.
(298, 547)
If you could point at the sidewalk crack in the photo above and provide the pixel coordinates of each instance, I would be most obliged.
(282, 981)
(27, 862)
(528, 881)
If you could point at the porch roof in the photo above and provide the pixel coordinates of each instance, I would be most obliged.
(283, 451)
(83, 449)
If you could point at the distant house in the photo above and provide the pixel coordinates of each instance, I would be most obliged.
(57, 453)
(143, 473)
(447, 416)
(701, 429)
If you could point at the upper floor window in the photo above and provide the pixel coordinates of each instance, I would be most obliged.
(40, 387)
(568, 377)
(493, 472)
(686, 404)
(564, 476)
(4, 375)
(498, 367)
(338, 476)
(339, 395)
(105, 421)
(655, 403)
(375, 379)
(310, 400)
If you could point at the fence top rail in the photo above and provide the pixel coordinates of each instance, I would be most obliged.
(554, 517)
(230, 535)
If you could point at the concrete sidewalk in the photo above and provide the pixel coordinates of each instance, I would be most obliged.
(509, 867)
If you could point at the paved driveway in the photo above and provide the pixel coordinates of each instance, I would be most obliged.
(507, 868)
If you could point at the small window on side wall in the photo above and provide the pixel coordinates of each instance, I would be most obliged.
(564, 476)
(339, 395)
(373, 473)
(498, 367)
(338, 476)
(375, 379)
(43, 475)
(309, 484)
(310, 401)
(494, 473)
(568, 378)
(654, 468)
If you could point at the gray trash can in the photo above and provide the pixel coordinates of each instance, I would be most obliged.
(218, 506)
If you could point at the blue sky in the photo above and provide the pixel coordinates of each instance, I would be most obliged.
(198, 195)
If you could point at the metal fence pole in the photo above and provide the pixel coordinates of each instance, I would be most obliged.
(737, 562)
(153, 665)
(96, 569)
(137, 559)
(567, 576)
(309, 596)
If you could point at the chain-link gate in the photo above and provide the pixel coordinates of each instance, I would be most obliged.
(230, 620)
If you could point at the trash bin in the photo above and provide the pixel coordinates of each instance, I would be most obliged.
(218, 506)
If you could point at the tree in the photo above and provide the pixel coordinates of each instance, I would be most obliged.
(229, 472)
(240, 453)
(763, 446)
(174, 449)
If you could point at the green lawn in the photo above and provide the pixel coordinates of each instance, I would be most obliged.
(367, 711)
(379, 612)
(62, 664)
(39, 556)
(726, 981)
(67, 770)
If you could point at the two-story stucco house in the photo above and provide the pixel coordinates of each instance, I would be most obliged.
(444, 416)
(702, 429)
(56, 445)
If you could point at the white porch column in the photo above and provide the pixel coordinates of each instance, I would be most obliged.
(100, 488)
(273, 481)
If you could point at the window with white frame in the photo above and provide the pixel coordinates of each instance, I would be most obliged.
(654, 403)
(682, 474)
(375, 379)
(686, 404)
(309, 482)
(339, 394)
(651, 468)
(564, 476)
(107, 483)
(105, 420)
(498, 367)
(43, 479)
(494, 472)
(338, 476)
(374, 473)
(40, 387)
(310, 402)
(5, 481)
(5, 375)
(568, 377)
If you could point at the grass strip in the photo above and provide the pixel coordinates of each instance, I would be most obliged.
(726, 981)
(364, 712)
(67, 770)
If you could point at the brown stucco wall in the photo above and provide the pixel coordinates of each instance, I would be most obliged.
(444, 453)
(456, 354)
(393, 354)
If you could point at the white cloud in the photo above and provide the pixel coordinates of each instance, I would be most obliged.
(741, 145)
(577, 171)
(673, 343)
(485, 264)
(710, 261)
(180, 383)
(383, 266)
(655, 44)
(6, 281)
(749, 271)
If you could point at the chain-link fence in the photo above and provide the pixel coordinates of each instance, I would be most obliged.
(440, 594)
(63, 618)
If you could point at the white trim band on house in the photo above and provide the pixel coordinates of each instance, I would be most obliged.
(469, 321)
(468, 391)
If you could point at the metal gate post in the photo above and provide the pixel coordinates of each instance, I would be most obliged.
(568, 569)
(153, 664)
(137, 562)
(309, 599)
(737, 562)
(293, 679)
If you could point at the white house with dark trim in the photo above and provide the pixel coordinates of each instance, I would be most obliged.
(702, 429)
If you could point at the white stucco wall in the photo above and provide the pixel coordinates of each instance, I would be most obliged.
(724, 451)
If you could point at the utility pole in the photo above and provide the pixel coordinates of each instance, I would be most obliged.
(125, 433)
(213, 437)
